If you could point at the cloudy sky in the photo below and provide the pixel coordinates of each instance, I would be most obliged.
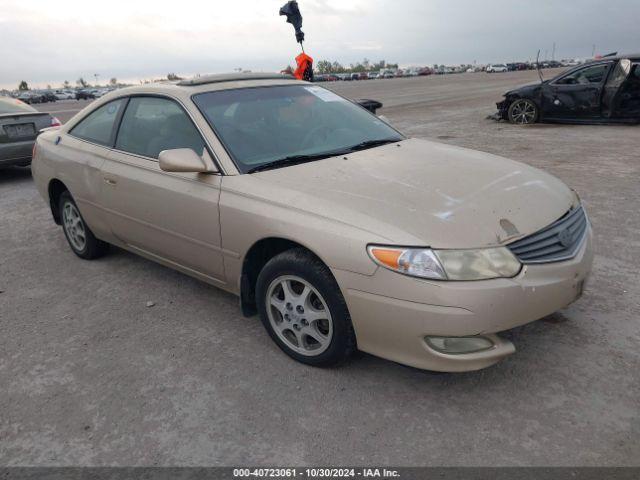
(44, 41)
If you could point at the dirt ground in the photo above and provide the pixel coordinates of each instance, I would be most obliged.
(91, 376)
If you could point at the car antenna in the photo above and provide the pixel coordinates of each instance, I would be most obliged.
(538, 67)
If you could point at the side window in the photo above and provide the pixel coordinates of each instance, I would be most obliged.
(586, 76)
(151, 125)
(97, 127)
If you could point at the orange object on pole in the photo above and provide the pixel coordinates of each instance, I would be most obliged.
(304, 71)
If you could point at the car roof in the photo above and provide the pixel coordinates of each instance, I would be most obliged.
(232, 77)
(635, 56)
(208, 83)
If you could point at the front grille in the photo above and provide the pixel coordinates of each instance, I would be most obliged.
(559, 241)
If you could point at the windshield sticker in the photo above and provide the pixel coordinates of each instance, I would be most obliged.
(324, 95)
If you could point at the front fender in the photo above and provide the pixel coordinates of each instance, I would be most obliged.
(246, 219)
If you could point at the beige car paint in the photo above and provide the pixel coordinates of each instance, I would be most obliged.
(413, 193)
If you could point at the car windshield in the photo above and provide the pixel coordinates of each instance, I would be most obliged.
(11, 105)
(259, 126)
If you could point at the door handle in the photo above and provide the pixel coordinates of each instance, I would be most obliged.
(110, 181)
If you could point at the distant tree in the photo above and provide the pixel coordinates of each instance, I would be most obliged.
(23, 86)
(358, 67)
(173, 77)
(337, 67)
(66, 84)
(324, 66)
(113, 82)
(81, 82)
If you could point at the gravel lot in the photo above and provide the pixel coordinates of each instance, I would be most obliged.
(91, 376)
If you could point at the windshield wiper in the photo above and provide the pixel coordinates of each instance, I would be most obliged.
(372, 143)
(293, 160)
(297, 159)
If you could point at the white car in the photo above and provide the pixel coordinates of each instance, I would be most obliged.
(497, 68)
(63, 95)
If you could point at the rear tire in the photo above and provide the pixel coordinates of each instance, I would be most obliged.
(80, 238)
(303, 310)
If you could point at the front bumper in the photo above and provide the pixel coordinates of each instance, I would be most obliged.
(392, 313)
(503, 109)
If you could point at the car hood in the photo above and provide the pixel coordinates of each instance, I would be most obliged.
(525, 89)
(425, 193)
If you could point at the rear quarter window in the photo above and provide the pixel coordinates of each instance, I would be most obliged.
(98, 127)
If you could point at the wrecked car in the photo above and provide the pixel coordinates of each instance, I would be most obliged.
(602, 91)
(340, 232)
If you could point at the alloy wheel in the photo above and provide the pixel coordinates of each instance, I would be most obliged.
(299, 315)
(74, 227)
(523, 112)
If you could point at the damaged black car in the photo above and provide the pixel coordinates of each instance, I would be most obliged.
(601, 91)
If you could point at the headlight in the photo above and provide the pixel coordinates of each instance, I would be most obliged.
(480, 264)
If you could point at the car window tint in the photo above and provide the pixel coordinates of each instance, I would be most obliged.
(586, 76)
(151, 125)
(98, 126)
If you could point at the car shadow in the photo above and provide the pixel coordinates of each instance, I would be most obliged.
(12, 174)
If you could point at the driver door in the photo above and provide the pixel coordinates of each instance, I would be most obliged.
(170, 217)
(628, 103)
(577, 95)
(613, 89)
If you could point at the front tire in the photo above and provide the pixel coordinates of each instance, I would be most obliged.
(523, 111)
(303, 310)
(80, 238)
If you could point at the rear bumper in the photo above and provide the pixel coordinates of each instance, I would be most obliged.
(17, 153)
(392, 314)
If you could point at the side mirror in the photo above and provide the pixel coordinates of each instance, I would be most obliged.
(371, 105)
(183, 160)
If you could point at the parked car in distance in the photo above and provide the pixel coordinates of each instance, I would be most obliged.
(602, 91)
(338, 230)
(373, 75)
(497, 68)
(85, 94)
(30, 97)
(64, 95)
(19, 125)
(101, 92)
(551, 64)
(48, 96)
